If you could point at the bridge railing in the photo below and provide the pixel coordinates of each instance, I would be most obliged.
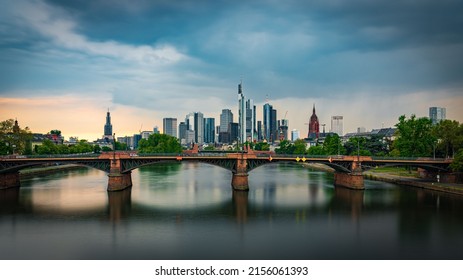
(83, 155)
(411, 158)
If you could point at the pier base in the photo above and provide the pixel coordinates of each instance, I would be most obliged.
(349, 180)
(119, 181)
(240, 182)
(9, 180)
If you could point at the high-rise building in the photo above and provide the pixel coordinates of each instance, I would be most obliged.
(136, 139)
(436, 114)
(270, 125)
(336, 125)
(182, 129)
(234, 132)
(209, 130)
(108, 127)
(259, 131)
(274, 128)
(283, 129)
(314, 126)
(267, 116)
(195, 122)
(295, 135)
(169, 126)
(250, 108)
(225, 118)
(241, 114)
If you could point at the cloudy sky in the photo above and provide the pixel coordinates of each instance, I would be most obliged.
(64, 63)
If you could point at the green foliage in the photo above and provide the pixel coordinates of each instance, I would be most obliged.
(262, 146)
(96, 149)
(106, 149)
(121, 146)
(285, 147)
(316, 150)
(414, 137)
(209, 148)
(300, 147)
(450, 137)
(12, 141)
(357, 146)
(333, 145)
(55, 132)
(50, 148)
(159, 143)
(457, 164)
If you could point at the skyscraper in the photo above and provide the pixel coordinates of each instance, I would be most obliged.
(436, 114)
(108, 127)
(241, 114)
(295, 135)
(195, 122)
(225, 118)
(270, 123)
(250, 108)
(224, 130)
(169, 126)
(182, 131)
(209, 130)
(314, 126)
(336, 125)
(283, 129)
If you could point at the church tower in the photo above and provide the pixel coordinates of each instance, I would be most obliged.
(314, 126)
(108, 127)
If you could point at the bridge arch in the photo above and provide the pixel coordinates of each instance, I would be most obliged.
(14, 167)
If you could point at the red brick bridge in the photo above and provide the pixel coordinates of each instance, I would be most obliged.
(119, 165)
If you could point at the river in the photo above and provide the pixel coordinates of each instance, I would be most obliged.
(189, 211)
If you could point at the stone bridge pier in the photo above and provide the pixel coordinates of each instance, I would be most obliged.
(240, 173)
(118, 180)
(9, 180)
(352, 180)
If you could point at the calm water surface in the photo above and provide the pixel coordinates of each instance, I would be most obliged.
(189, 211)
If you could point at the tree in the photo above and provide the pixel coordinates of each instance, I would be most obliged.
(357, 146)
(209, 148)
(13, 139)
(159, 143)
(285, 147)
(300, 147)
(414, 137)
(457, 164)
(55, 132)
(262, 146)
(316, 150)
(47, 148)
(450, 135)
(333, 146)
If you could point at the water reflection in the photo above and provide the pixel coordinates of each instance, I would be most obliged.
(119, 205)
(189, 211)
(240, 206)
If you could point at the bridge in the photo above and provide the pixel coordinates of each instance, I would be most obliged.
(119, 165)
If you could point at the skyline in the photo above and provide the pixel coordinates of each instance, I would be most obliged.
(63, 64)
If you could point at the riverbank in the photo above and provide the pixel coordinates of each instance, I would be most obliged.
(399, 178)
(33, 171)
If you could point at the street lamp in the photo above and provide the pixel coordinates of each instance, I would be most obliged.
(114, 145)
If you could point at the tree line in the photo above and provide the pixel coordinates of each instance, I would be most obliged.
(414, 137)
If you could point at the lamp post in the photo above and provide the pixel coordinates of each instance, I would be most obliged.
(114, 145)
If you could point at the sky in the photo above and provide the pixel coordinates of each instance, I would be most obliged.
(63, 64)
